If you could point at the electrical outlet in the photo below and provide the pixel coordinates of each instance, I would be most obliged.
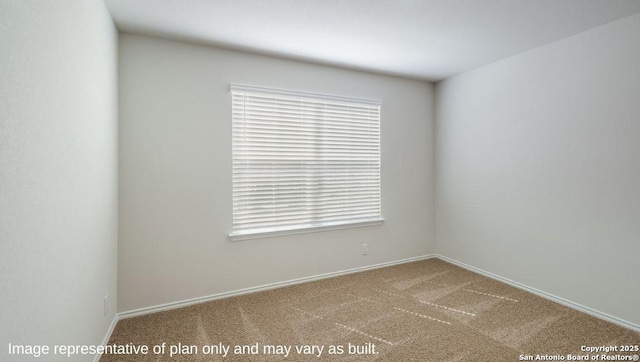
(106, 305)
(365, 249)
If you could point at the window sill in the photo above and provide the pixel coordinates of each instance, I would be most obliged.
(271, 232)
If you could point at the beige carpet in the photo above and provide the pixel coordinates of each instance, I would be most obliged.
(423, 311)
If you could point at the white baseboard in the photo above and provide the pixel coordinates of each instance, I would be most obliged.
(106, 338)
(188, 302)
(551, 297)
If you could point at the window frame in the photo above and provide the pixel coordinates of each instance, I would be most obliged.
(243, 234)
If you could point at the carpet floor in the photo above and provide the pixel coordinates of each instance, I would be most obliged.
(428, 310)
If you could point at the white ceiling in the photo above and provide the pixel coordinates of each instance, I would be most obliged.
(426, 39)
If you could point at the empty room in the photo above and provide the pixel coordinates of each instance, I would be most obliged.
(302, 180)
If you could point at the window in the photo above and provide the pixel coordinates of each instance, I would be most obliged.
(303, 162)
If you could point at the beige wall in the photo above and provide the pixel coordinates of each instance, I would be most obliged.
(175, 175)
(538, 168)
(58, 173)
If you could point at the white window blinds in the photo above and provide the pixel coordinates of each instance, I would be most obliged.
(303, 161)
